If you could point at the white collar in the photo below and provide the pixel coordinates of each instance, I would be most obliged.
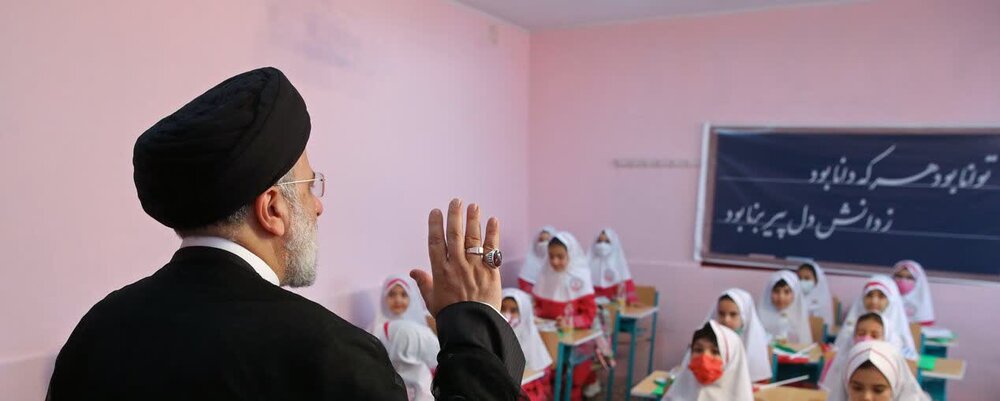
(253, 260)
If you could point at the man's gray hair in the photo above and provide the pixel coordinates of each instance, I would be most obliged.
(229, 226)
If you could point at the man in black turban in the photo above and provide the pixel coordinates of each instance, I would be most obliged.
(229, 173)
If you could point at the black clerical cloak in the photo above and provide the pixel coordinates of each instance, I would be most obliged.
(206, 326)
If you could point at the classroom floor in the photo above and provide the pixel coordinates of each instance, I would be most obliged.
(619, 390)
(620, 387)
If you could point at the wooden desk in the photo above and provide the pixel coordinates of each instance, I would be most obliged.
(579, 337)
(531, 375)
(638, 311)
(815, 354)
(789, 394)
(953, 342)
(646, 387)
(812, 367)
(946, 369)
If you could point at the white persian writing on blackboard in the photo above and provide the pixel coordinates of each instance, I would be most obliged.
(781, 224)
(958, 178)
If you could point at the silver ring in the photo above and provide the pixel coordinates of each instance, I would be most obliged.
(476, 250)
(493, 258)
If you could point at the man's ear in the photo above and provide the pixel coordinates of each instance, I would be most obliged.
(272, 212)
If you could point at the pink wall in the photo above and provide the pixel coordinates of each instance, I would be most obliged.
(402, 93)
(645, 89)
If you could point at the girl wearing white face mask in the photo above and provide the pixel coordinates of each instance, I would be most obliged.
(817, 298)
(609, 268)
(916, 291)
(518, 310)
(537, 259)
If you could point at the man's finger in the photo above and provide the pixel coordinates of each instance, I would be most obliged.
(473, 232)
(492, 234)
(426, 284)
(436, 247)
(456, 252)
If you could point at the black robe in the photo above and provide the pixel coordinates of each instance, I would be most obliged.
(206, 326)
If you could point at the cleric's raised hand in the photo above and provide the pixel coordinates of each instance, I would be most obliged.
(457, 276)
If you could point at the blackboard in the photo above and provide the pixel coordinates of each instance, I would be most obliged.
(854, 199)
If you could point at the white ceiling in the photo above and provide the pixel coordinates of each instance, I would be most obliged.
(550, 14)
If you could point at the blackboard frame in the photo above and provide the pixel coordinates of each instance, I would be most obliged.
(706, 200)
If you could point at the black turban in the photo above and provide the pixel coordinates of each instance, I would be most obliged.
(221, 150)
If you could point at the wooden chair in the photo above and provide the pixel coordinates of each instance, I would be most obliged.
(818, 328)
(838, 312)
(646, 294)
(918, 337)
(551, 340)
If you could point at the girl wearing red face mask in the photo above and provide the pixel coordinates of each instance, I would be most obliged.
(717, 369)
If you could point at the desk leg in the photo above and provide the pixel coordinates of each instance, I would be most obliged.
(652, 344)
(935, 387)
(614, 353)
(558, 382)
(571, 371)
(633, 333)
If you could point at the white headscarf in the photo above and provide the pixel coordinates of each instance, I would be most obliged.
(834, 376)
(897, 327)
(536, 355)
(416, 312)
(819, 300)
(413, 350)
(794, 320)
(752, 333)
(537, 257)
(570, 284)
(734, 385)
(611, 269)
(887, 360)
(917, 304)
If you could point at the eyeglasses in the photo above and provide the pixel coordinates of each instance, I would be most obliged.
(317, 184)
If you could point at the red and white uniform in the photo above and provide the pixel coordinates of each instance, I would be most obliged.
(537, 259)
(569, 290)
(536, 355)
(609, 268)
(557, 293)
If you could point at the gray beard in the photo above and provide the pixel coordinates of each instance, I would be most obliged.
(302, 248)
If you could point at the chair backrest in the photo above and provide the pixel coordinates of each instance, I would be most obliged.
(551, 340)
(647, 295)
(818, 328)
(838, 312)
(774, 363)
(612, 308)
(918, 337)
